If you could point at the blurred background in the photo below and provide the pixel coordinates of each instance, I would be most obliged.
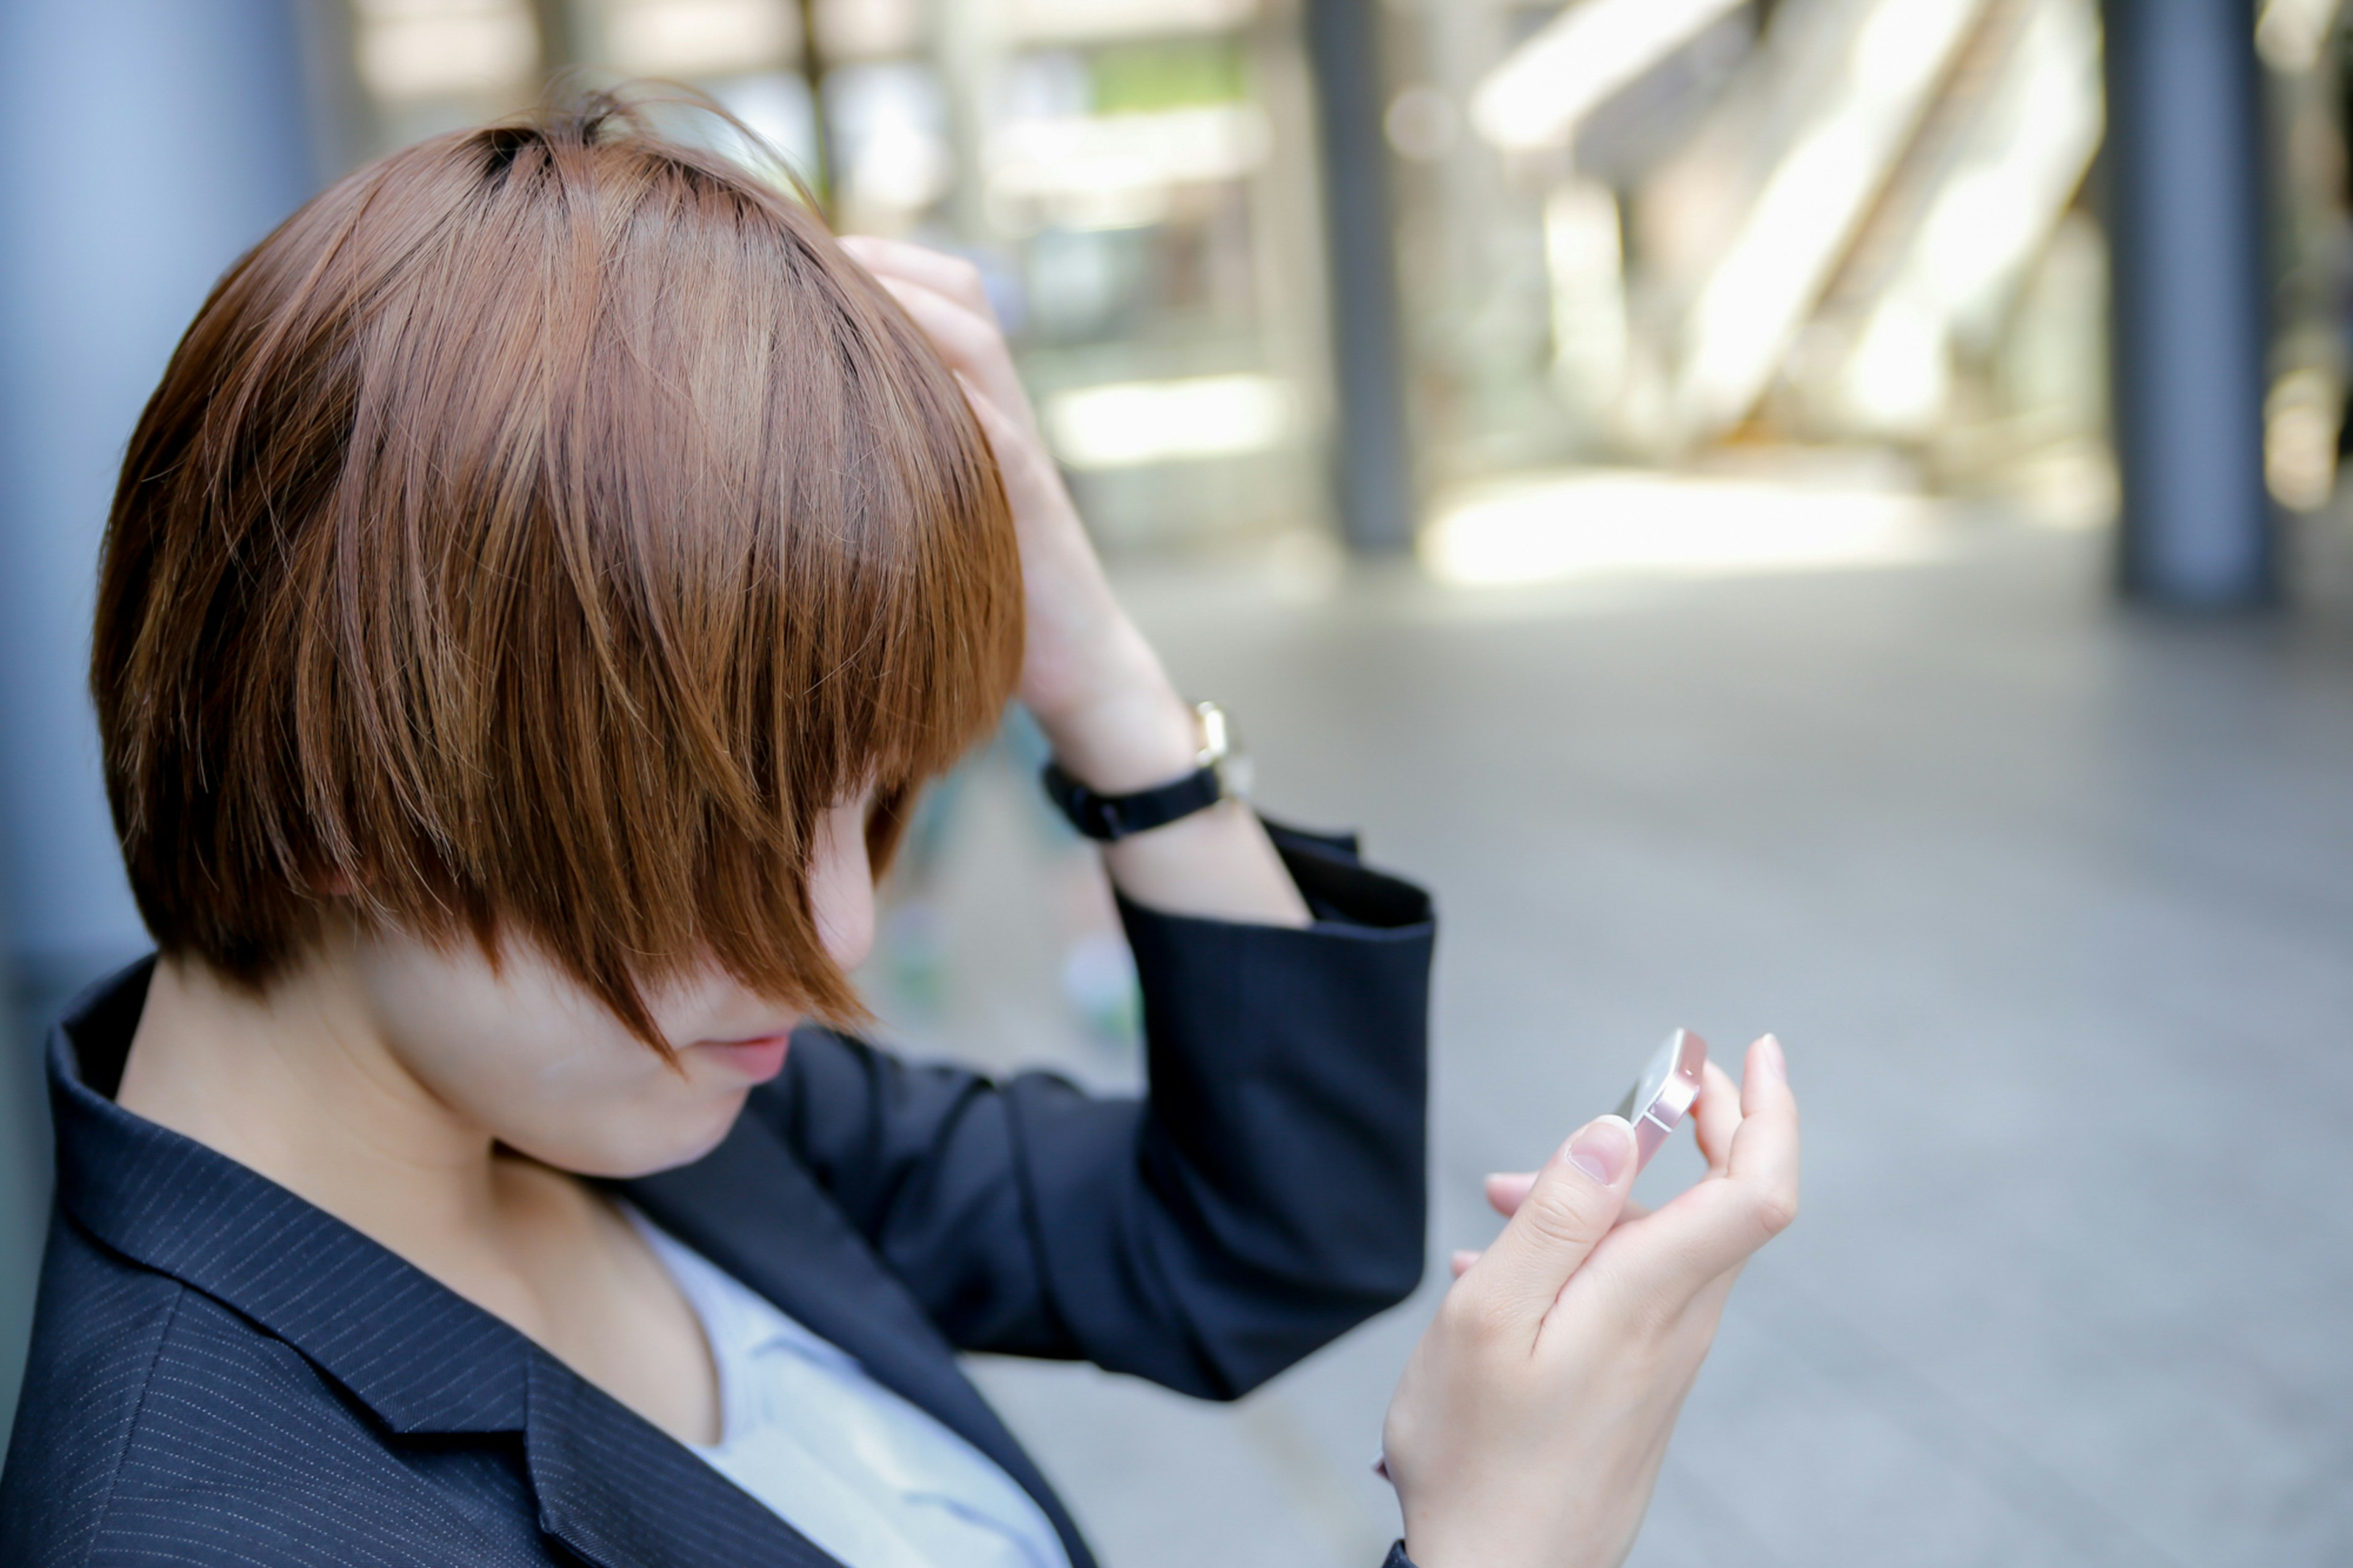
(1818, 515)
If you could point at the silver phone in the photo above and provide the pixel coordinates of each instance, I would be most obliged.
(1662, 1096)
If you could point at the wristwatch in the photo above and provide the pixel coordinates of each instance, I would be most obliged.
(1220, 771)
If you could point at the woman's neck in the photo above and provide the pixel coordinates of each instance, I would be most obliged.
(300, 1086)
(303, 1086)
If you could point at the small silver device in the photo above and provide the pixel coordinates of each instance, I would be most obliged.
(1662, 1096)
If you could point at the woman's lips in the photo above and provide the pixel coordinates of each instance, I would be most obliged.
(757, 1060)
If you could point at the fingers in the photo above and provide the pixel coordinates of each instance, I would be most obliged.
(1506, 1190)
(1766, 1050)
(968, 340)
(1748, 1132)
(947, 299)
(1029, 475)
(970, 343)
(937, 271)
(1715, 1227)
(994, 424)
(1765, 1150)
(1717, 1117)
(1571, 1205)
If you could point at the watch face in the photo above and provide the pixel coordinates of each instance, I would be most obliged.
(1222, 750)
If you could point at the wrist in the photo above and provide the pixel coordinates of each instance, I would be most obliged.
(1129, 730)
(1132, 742)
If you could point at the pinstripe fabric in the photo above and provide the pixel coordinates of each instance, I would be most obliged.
(91, 1389)
(240, 1452)
(223, 1374)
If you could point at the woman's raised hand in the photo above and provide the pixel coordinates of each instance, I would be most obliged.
(1529, 1427)
(1088, 676)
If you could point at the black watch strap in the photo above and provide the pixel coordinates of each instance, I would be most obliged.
(1107, 817)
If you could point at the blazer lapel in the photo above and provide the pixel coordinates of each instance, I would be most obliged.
(620, 1494)
(615, 1490)
(422, 1360)
(754, 1210)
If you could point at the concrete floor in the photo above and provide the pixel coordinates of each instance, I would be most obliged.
(2053, 907)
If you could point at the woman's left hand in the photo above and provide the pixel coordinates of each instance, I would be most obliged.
(1088, 676)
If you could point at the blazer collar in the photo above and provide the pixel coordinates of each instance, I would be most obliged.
(615, 1490)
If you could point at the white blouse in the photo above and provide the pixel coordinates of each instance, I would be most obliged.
(869, 1476)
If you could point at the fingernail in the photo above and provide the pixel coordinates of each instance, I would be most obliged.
(1602, 1149)
(1774, 1059)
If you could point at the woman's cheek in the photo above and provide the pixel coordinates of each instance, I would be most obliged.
(842, 884)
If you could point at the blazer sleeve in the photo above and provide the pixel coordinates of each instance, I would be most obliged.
(1266, 1194)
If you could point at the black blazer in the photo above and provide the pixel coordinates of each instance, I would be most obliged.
(223, 1374)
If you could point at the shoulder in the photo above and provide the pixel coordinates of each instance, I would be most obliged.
(158, 1426)
(97, 1331)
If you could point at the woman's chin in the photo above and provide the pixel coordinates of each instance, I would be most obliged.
(638, 1149)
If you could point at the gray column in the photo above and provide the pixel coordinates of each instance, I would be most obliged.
(2184, 193)
(1372, 453)
(149, 142)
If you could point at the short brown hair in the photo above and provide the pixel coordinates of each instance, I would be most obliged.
(539, 530)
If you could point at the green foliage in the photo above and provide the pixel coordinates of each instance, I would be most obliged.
(1138, 78)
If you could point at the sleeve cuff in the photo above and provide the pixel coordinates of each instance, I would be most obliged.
(1340, 890)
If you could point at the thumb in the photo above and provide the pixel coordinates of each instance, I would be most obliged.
(1576, 1199)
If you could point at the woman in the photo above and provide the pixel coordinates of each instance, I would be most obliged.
(546, 571)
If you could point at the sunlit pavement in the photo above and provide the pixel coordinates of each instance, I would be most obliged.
(2053, 905)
